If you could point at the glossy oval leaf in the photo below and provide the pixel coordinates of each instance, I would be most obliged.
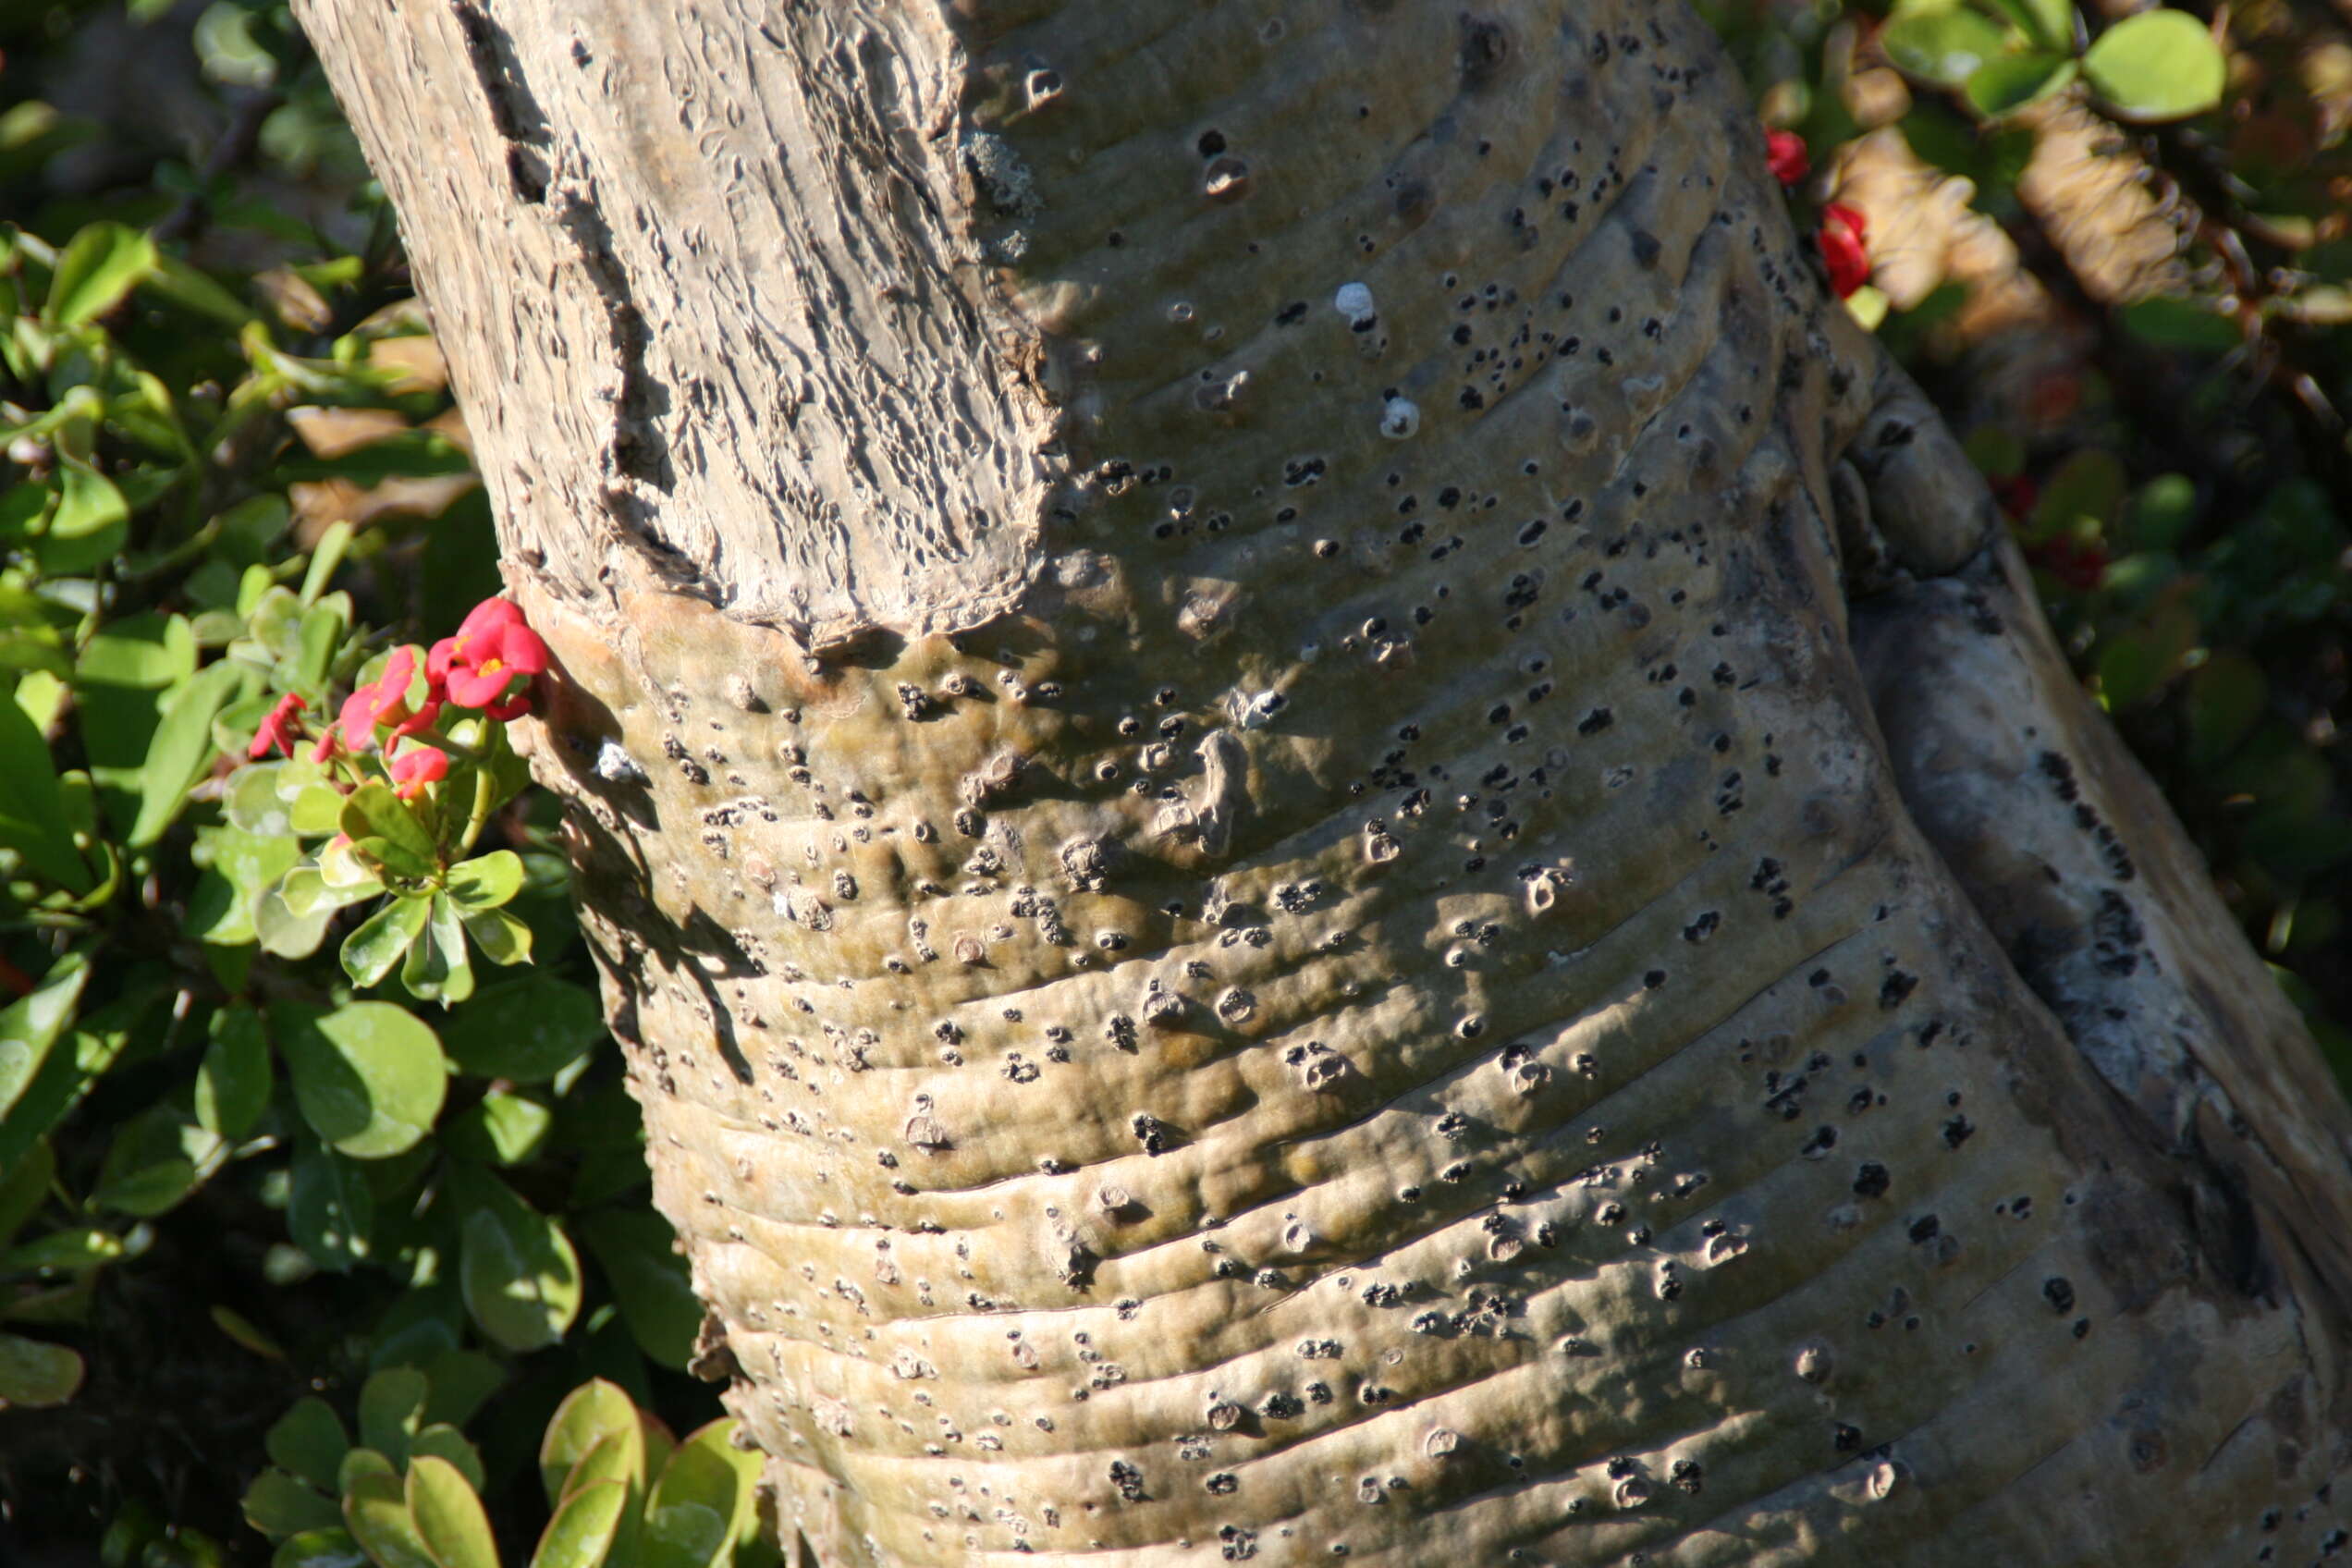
(502, 1128)
(330, 1211)
(383, 826)
(2050, 23)
(233, 1082)
(437, 968)
(368, 1076)
(32, 811)
(704, 1500)
(581, 1532)
(1946, 48)
(2012, 82)
(446, 1442)
(392, 1410)
(504, 940)
(649, 1280)
(97, 270)
(449, 1515)
(320, 1549)
(380, 942)
(516, 1267)
(181, 749)
(487, 881)
(2160, 65)
(37, 1375)
(593, 1410)
(375, 1510)
(31, 1024)
(278, 1504)
(308, 1441)
(525, 1030)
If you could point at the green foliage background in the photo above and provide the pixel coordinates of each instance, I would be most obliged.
(292, 1268)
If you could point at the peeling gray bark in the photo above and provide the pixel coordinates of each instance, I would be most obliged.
(1451, 935)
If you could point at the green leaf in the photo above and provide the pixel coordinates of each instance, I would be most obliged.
(581, 1532)
(649, 1280)
(36, 1374)
(380, 941)
(181, 750)
(325, 556)
(2005, 85)
(438, 969)
(591, 1412)
(24, 1187)
(308, 1441)
(306, 891)
(504, 940)
(153, 1162)
(1944, 46)
(146, 651)
(449, 1516)
(65, 1252)
(487, 881)
(516, 1267)
(525, 1030)
(320, 1549)
(375, 1510)
(703, 1502)
(462, 1380)
(90, 525)
(256, 801)
(285, 931)
(278, 1505)
(233, 1082)
(97, 268)
(330, 1209)
(33, 811)
(2159, 64)
(59, 1084)
(445, 1441)
(368, 1076)
(391, 1406)
(183, 285)
(360, 1464)
(29, 1025)
(381, 826)
(501, 1128)
(2050, 23)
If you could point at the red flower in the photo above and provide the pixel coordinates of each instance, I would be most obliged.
(416, 767)
(1842, 247)
(277, 732)
(491, 648)
(383, 700)
(1784, 153)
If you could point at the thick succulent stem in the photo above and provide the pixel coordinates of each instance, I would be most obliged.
(1353, 973)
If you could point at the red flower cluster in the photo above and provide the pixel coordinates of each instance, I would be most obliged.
(491, 665)
(479, 667)
(1785, 153)
(416, 767)
(278, 731)
(1842, 247)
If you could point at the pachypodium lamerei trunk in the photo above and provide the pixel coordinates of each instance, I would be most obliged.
(1322, 828)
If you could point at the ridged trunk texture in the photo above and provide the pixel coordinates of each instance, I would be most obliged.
(1320, 824)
